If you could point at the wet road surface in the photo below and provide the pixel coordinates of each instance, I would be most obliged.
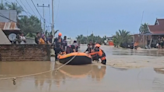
(87, 78)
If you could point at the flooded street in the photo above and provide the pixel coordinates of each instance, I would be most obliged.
(126, 71)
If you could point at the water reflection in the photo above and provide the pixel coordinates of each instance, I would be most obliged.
(159, 70)
(70, 73)
(66, 78)
(62, 76)
(158, 83)
(137, 52)
(22, 68)
(78, 72)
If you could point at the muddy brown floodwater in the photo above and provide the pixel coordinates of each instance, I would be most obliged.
(123, 73)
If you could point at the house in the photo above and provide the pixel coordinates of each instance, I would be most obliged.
(156, 31)
(9, 27)
(157, 28)
(151, 38)
(8, 21)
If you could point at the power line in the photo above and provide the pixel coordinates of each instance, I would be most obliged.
(30, 7)
(36, 9)
(7, 18)
(23, 8)
(43, 13)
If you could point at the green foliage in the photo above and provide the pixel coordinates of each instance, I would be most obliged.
(29, 25)
(91, 38)
(144, 28)
(14, 6)
(122, 36)
(2, 6)
(31, 35)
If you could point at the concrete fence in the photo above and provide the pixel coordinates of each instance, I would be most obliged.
(27, 52)
(30, 41)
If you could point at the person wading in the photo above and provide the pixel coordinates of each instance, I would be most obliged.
(94, 57)
(58, 45)
(88, 50)
(64, 43)
(100, 53)
(75, 45)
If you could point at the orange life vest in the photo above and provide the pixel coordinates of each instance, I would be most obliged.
(100, 53)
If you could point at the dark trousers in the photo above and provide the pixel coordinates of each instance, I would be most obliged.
(103, 62)
(57, 51)
(95, 57)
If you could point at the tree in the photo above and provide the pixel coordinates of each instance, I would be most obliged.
(29, 25)
(82, 39)
(91, 38)
(143, 28)
(14, 6)
(2, 6)
(122, 36)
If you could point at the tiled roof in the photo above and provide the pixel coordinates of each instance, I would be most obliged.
(157, 29)
(8, 26)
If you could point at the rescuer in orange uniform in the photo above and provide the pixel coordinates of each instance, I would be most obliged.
(100, 53)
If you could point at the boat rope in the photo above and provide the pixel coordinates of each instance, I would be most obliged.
(14, 78)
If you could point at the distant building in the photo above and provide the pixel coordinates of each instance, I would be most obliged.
(157, 28)
(151, 38)
(8, 22)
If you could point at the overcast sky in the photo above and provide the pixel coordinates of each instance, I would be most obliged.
(103, 17)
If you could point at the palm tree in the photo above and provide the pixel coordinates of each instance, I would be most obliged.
(143, 28)
(122, 36)
(14, 6)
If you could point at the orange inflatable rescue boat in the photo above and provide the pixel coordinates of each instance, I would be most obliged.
(75, 58)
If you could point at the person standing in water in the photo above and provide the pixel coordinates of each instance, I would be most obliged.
(88, 50)
(64, 43)
(94, 57)
(100, 53)
(75, 45)
(58, 45)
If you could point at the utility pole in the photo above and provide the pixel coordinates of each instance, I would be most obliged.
(43, 15)
(87, 37)
(92, 36)
(52, 29)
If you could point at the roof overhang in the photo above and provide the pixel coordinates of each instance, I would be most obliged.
(152, 34)
(9, 26)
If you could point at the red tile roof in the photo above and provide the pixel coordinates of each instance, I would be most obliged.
(157, 29)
